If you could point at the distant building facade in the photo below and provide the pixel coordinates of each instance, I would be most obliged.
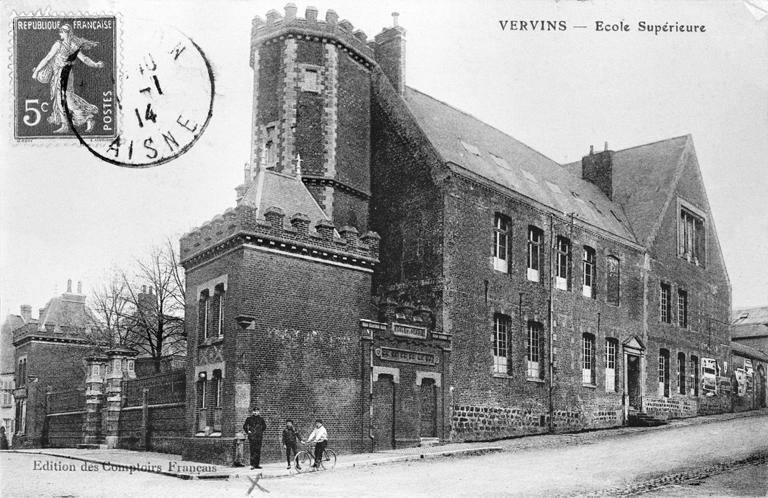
(410, 274)
(749, 326)
(49, 354)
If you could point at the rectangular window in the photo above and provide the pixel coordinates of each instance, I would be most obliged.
(665, 303)
(691, 240)
(219, 310)
(588, 359)
(534, 351)
(501, 243)
(310, 81)
(611, 362)
(563, 268)
(613, 280)
(501, 328)
(681, 373)
(534, 253)
(682, 308)
(589, 270)
(203, 306)
(664, 373)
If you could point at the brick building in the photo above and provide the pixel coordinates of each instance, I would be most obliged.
(750, 327)
(49, 354)
(494, 292)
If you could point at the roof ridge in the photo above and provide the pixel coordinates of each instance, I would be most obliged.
(485, 124)
(687, 136)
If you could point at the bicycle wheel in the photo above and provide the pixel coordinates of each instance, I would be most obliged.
(303, 461)
(329, 459)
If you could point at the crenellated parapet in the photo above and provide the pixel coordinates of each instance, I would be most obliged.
(242, 226)
(330, 30)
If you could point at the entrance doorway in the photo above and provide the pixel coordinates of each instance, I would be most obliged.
(633, 381)
(428, 409)
(384, 392)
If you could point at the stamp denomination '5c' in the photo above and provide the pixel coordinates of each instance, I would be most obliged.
(43, 48)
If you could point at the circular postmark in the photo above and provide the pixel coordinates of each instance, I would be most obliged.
(164, 102)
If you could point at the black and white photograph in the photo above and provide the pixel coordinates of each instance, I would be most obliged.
(355, 248)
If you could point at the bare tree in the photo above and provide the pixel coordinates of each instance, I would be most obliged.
(156, 295)
(112, 305)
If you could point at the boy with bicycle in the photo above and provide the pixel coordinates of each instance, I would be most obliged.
(320, 436)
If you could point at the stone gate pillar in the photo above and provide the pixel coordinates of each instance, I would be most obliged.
(95, 368)
(119, 367)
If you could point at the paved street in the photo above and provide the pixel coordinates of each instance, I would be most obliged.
(604, 462)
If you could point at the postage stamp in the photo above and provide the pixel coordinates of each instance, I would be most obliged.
(65, 76)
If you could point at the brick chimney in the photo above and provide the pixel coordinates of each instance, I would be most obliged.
(389, 50)
(597, 168)
(26, 312)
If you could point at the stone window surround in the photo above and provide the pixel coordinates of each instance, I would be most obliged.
(394, 372)
(420, 376)
(305, 87)
(210, 286)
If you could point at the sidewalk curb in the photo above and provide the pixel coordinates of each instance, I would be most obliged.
(385, 458)
(237, 475)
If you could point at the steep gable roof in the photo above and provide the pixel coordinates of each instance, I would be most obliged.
(644, 179)
(479, 148)
(273, 189)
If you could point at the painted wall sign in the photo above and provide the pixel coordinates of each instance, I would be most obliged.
(407, 356)
(409, 331)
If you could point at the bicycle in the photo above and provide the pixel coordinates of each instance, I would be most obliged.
(305, 459)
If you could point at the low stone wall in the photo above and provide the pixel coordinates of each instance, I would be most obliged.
(673, 407)
(64, 430)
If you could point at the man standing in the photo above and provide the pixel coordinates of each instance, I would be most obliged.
(290, 438)
(254, 427)
(320, 437)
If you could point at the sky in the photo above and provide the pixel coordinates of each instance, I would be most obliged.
(66, 214)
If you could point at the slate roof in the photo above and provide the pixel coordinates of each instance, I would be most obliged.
(749, 322)
(287, 192)
(748, 351)
(477, 147)
(643, 178)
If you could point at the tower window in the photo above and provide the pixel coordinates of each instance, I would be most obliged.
(310, 79)
(270, 148)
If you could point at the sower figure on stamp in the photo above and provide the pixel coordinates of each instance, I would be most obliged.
(290, 437)
(63, 53)
(254, 427)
